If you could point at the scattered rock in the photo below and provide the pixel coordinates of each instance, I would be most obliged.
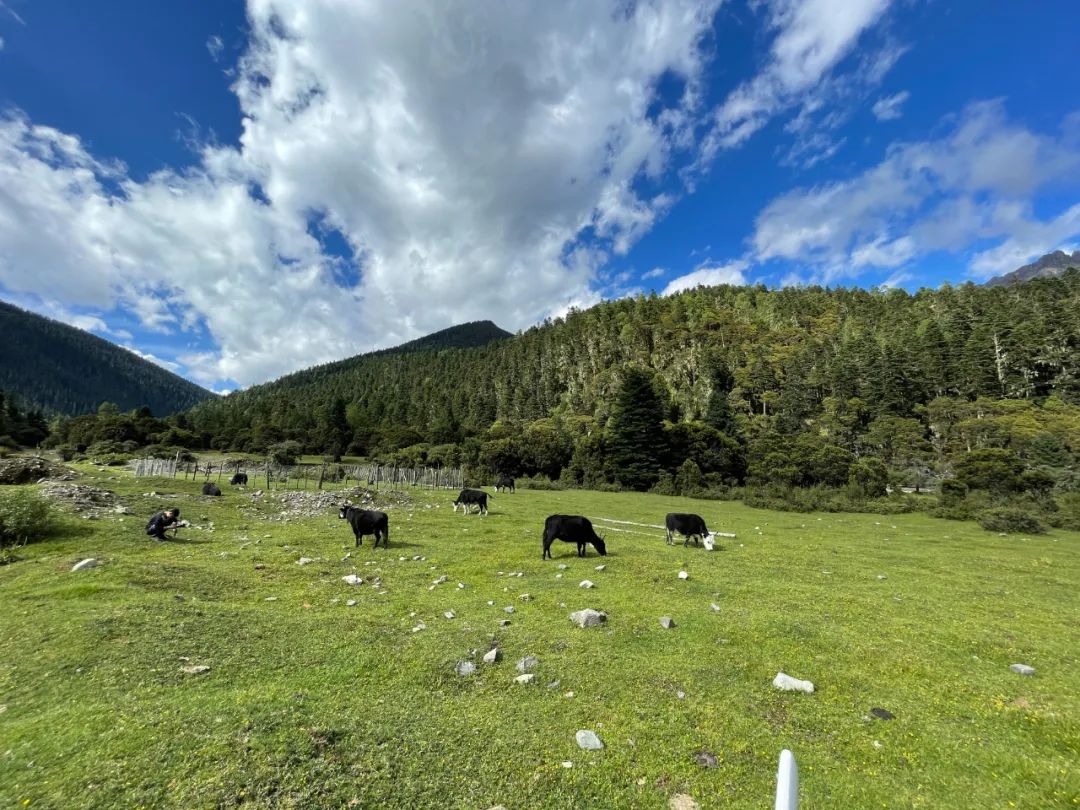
(352, 579)
(789, 684)
(464, 668)
(681, 695)
(305, 561)
(567, 763)
(260, 566)
(419, 626)
(877, 744)
(667, 622)
(92, 503)
(461, 585)
(440, 580)
(563, 566)
(600, 568)
(525, 597)
(197, 669)
(82, 565)
(882, 714)
(588, 740)
(529, 678)
(449, 614)
(351, 603)
(270, 599)
(585, 584)
(588, 617)
(554, 685)
(528, 663)
(881, 577)
(504, 623)
(681, 801)
(683, 575)
(706, 759)
(1019, 669)
(715, 607)
(30, 469)
(493, 656)
(508, 609)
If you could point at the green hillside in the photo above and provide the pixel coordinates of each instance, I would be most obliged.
(66, 370)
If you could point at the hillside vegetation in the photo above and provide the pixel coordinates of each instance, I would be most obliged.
(65, 370)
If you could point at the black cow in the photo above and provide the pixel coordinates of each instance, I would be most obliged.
(469, 498)
(210, 489)
(571, 529)
(686, 524)
(367, 521)
(239, 479)
(504, 483)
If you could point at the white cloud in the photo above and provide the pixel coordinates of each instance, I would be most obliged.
(710, 275)
(165, 364)
(888, 108)
(975, 183)
(813, 37)
(460, 150)
(216, 46)
(656, 272)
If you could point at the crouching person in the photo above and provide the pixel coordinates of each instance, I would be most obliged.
(169, 519)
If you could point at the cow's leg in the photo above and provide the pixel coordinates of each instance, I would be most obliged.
(547, 548)
(359, 539)
(670, 541)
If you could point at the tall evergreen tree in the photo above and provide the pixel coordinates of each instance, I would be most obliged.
(635, 432)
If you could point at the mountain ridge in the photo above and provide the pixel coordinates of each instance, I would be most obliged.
(1049, 266)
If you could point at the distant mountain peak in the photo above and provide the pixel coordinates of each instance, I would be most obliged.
(1049, 266)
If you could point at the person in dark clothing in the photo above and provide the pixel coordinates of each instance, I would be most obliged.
(169, 519)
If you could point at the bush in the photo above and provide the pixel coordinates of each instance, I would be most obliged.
(285, 452)
(537, 482)
(24, 517)
(1010, 519)
(1068, 514)
(869, 476)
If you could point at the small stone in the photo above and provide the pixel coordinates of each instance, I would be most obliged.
(563, 566)
(554, 685)
(351, 603)
(449, 614)
(588, 740)
(305, 561)
(525, 597)
(881, 577)
(529, 662)
(789, 684)
(493, 656)
(82, 565)
(352, 579)
(585, 584)
(568, 695)
(260, 566)
(600, 568)
(667, 622)
(464, 668)
(508, 609)
(529, 678)
(877, 744)
(706, 759)
(882, 714)
(567, 763)
(419, 626)
(683, 575)
(715, 607)
(270, 599)
(440, 580)
(681, 695)
(588, 617)
(197, 669)
(504, 623)
(1022, 669)
(681, 801)
(558, 576)
(461, 585)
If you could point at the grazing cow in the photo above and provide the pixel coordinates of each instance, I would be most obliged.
(239, 479)
(469, 498)
(367, 521)
(504, 483)
(210, 489)
(571, 529)
(688, 525)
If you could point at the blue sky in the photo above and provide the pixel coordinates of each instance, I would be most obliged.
(238, 191)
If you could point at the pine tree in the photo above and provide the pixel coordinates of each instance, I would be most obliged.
(635, 432)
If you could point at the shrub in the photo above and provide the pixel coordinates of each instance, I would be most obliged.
(869, 476)
(1068, 515)
(953, 491)
(537, 482)
(1010, 519)
(285, 452)
(24, 517)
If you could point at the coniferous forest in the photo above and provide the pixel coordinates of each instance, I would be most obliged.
(778, 393)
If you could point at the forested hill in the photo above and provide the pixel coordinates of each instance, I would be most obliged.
(63, 369)
(783, 361)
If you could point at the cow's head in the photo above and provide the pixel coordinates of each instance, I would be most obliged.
(709, 541)
(344, 511)
(600, 545)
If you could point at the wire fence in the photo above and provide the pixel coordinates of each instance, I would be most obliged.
(268, 475)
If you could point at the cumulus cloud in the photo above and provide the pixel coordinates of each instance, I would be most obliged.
(656, 272)
(888, 108)
(478, 161)
(709, 274)
(168, 365)
(975, 183)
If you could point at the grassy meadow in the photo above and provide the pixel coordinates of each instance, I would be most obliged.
(310, 703)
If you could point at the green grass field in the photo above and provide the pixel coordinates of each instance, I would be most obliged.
(310, 703)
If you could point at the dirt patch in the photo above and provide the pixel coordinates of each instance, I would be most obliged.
(88, 501)
(290, 505)
(31, 469)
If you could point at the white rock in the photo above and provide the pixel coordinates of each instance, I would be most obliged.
(419, 626)
(558, 576)
(198, 669)
(667, 622)
(1022, 669)
(464, 668)
(82, 565)
(881, 577)
(508, 609)
(789, 684)
(585, 584)
(529, 678)
(529, 662)
(715, 607)
(461, 585)
(600, 568)
(352, 579)
(563, 566)
(588, 617)
(588, 740)
(525, 597)
(683, 575)
(491, 602)
(305, 561)
(270, 599)
(449, 614)
(440, 580)
(567, 763)
(351, 603)
(493, 656)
